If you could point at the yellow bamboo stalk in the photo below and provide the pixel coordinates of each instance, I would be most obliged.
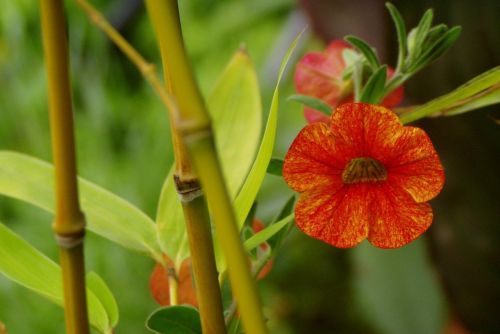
(69, 224)
(193, 202)
(193, 122)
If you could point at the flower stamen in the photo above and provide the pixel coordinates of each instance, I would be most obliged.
(364, 170)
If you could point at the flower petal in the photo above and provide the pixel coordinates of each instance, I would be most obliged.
(338, 218)
(312, 162)
(317, 75)
(395, 218)
(415, 166)
(365, 130)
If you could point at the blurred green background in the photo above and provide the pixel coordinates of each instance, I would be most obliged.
(450, 276)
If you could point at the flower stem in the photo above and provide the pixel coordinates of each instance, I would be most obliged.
(193, 123)
(69, 224)
(173, 286)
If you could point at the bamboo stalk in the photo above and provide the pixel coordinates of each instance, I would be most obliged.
(204, 268)
(192, 198)
(198, 226)
(193, 122)
(69, 224)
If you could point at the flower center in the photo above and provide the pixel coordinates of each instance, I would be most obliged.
(364, 170)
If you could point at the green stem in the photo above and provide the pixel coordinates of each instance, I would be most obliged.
(193, 122)
(197, 222)
(69, 224)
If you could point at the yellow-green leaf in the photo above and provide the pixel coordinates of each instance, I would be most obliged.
(252, 184)
(236, 113)
(23, 264)
(32, 180)
(481, 91)
(99, 288)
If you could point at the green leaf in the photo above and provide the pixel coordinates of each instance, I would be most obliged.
(434, 34)
(434, 51)
(170, 224)
(312, 102)
(483, 99)
(374, 88)
(398, 290)
(357, 79)
(267, 233)
(275, 167)
(32, 180)
(421, 33)
(23, 264)
(99, 288)
(286, 210)
(252, 184)
(477, 92)
(179, 319)
(365, 49)
(236, 114)
(401, 32)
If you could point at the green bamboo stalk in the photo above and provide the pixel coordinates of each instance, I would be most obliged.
(193, 122)
(192, 198)
(198, 228)
(69, 224)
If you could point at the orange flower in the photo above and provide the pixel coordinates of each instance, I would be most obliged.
(319, 74)
(363, 175)
(158, 284)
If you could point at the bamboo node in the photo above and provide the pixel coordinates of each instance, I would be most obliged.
(71, 240)
(187, 190)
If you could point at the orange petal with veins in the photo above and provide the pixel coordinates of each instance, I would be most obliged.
(340, 218)
(417, 168)
(396, 219)
(312, 162)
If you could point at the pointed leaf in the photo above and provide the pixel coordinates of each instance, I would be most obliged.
(374, 88)
(434, 51)
(252, 184)
(100, 289)
(32, 180)
(267, 233)
(23, 264)
(365, 49)
(401, 32)
(421, 32)
(487, 98)
(476, 87)
(286, 210)
(312, 102)
(179, 319)
(434, 34)
(236, 112)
